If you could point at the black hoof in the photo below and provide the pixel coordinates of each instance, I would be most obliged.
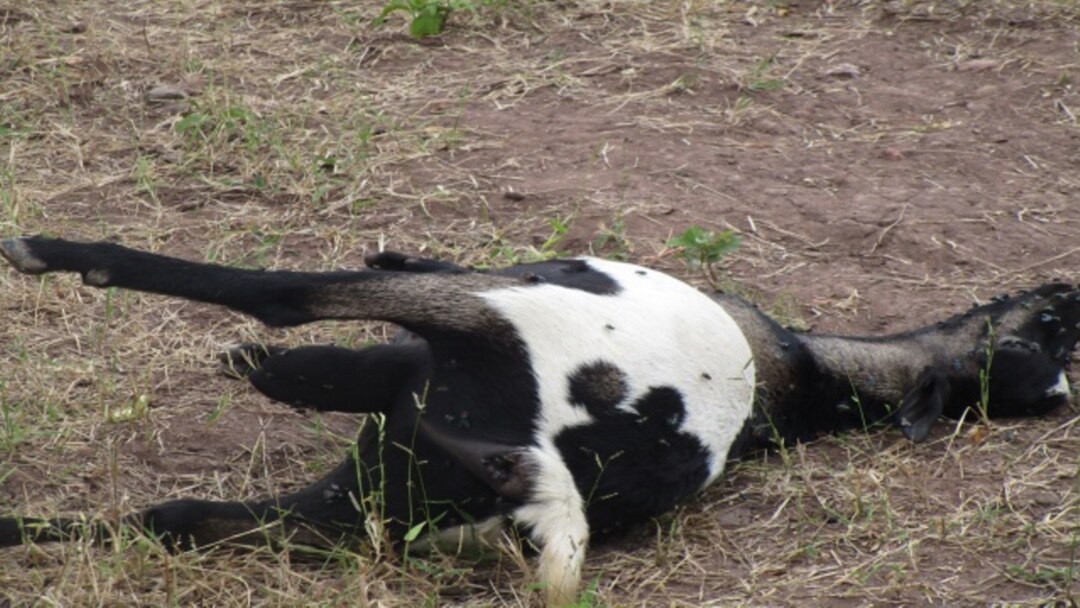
(400, 262)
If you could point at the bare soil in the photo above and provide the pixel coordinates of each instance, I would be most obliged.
(885, 163)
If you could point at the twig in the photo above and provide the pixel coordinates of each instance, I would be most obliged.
(886, 229)
(1047, 260)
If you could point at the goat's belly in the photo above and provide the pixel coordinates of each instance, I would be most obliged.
(647, 385)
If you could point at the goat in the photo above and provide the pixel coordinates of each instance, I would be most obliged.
(568, 398)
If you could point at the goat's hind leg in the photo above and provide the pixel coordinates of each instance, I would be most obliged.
(415, 300)
(179, 524)
(321, 515)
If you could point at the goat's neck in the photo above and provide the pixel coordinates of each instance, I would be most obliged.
(868, 370)
(809, 384)
(841, 383)
(1007, 356)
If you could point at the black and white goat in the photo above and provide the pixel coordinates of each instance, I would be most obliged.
(569, 398)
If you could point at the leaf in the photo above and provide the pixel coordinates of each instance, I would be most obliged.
(701, 246)
(191, 123)
(774, 84)
(695, 236)
(414, 532)
(430, 21)
(395, 5)
(723, 244)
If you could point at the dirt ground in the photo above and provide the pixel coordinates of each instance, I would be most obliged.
(885, 163)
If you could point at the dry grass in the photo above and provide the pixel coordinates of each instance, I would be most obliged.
(295, 135)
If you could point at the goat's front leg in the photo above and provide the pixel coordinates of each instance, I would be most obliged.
(438, 300)
(330, 378)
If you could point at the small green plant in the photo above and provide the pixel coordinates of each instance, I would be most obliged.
(612, 242)
(559, 227)
(703, 248)
(426, 17)
(223, 404)
(9, 199)
(13, 431)
(589, 597)
(192, 124)
(231, 123)
(759, 82)
(145, 174)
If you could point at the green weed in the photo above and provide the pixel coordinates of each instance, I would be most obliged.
(612, 242)
(9, 199)
(589, 598)
(230, 123)
(426, 17)
(145, 174)
(984, 376)
(13, 429)
(758, 76)
(703, 248)
(1042, 575)
(559, 227)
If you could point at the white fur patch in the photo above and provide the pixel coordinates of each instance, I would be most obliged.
(658, 330)
(1061, 388)
(555, 515)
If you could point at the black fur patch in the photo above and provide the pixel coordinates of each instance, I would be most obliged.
(598, 387)
(575, 274)
(630, 466)
(662, 406)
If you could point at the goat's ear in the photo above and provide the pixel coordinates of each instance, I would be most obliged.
(506, 469)
(923, 404)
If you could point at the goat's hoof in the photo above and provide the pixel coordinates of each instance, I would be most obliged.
(11, 533)
(400, 262)
(18, 254)
(241, 360)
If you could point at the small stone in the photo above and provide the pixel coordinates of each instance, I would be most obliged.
(891, 153)
(166, 92)
(843, 70)
(512, 195)
(176, 107)
(1045, 498)
(976, 65)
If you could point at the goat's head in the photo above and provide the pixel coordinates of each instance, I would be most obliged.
(1007, 358)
